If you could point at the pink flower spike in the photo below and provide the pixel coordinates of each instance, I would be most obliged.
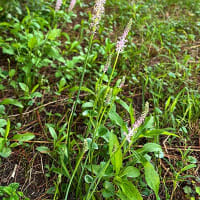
(72, 4)
(137, 124)
(122, 40)
(58, 5)
(122, 82)
(105, 69)
(97, 14)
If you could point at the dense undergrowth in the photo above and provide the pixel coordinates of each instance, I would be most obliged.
(100, 105)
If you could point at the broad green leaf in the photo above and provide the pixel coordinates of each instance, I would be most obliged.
(53, 133)
(192, 159)
(3, 122)
(94, 168)
(14, 144)
(152, 178)
(12, 73)
(99, 170)
(5, 152)
(2, 132)
(24, 87)
(85, 89)
(149, 123)
(74, 45)
(103, 131)
(9, 50)
(187, 190)
(54, 53)
(109, 190)
(151, 147)
(107, 194)
(124, 104)
(91, 144)
(32, 43)
(10, 190)
(109, 186)
(43, 149)
(121, 195)
(62, 82)
(115, 118)
(115, 153)
(88, 105)
(88, 178)
(157, 132)
(89, 113)
(2, 109)
(53, 34)
(158, 110)
(4, 23)
(11, 102)
(131, 172)
(197, 189)
(24, 137)
(129, 191)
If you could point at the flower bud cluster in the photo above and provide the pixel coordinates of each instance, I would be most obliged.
(72, 4)
(122, 40)
(98, 12)
(58, 5)
(105, 69)
(137, 124)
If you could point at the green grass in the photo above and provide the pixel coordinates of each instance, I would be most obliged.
(58, 104)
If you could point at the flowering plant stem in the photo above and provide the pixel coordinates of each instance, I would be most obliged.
(103, 109)
(74, 172)
(72, 115)
(90, 152)
(100, 117)
(78, 94)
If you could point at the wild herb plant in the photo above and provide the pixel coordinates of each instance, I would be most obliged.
(11, 192)
(97, 120)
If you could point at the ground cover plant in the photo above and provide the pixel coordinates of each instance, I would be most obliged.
(99, 99)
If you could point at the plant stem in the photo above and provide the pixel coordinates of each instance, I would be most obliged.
(78, 94)
(103, 109)
(74, 172)
(72, 114)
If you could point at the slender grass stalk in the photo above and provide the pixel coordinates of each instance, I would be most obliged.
(80, 177)
(85, 148)
(57, 186)
(72, 115)
(78, 94)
